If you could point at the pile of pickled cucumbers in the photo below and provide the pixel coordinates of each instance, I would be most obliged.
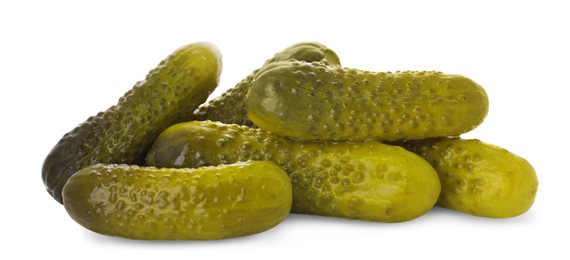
(301, 134)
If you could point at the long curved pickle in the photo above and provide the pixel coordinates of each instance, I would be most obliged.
(125, 132)
(479, 178)
(368, 180)
(174, 204)
(315, 101)
(230, 108)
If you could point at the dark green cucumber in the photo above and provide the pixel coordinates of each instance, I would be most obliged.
(173, 204)
(125, 132)
(229, 107)
(368, 180)
(479, 178)
(315, 101)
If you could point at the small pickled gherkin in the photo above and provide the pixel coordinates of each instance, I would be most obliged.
(479, 178)
(367, 181)
(124, 132)
(316, 101)
(179, 204)
(230, 108)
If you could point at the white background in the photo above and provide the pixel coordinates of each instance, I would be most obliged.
(62, 61)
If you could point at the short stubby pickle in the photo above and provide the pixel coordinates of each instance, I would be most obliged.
(179, 204)
(367, 180)
(479, 178)
(316, 101)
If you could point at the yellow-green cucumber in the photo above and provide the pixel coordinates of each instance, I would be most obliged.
(367, 180)
(479, 178)
(179, 204)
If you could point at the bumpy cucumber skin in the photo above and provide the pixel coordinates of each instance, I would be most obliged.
(314, 101)
(479, 178)
(124, 132)
(230, 108)
(179, 204)
(368, 180)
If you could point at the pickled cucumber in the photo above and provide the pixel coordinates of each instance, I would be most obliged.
(173, 204)
(368, 180)
(125, 132)
(229, 107)
(315, 101)
(479, 178)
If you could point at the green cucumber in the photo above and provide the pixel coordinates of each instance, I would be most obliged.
(315, 101)
(174, 204)
(479, 178)
(125, 132)
(368, 180)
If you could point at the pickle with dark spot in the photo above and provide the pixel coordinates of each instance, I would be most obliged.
(315, 101)
(230, 108)
(179, 204)
(367, 180)
(479, 178)
(125, 132)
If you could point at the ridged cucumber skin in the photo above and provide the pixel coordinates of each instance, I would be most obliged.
(179, 204)
(368, 181)
(478, 178)
(124, 132)
(229, 107)
(315, 101)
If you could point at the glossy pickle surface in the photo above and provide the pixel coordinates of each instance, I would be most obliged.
(368, 181)
(479, 178)
(316, 101)
(124, 132)
(175, 204)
